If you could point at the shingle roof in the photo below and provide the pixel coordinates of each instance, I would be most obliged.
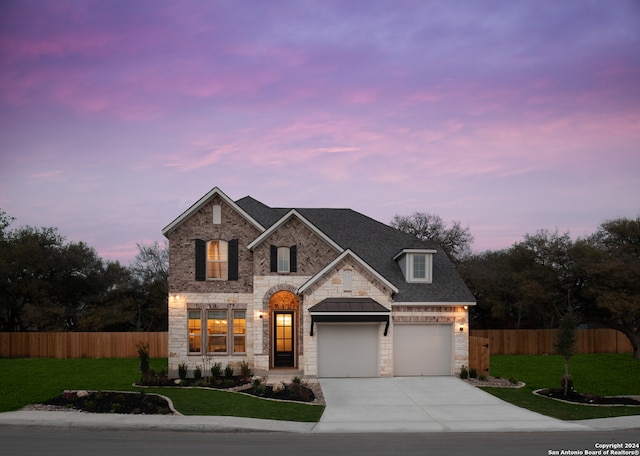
(377, 244)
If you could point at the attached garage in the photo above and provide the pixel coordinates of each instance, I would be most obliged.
(348, 350)
(422, 349)
(348, 334)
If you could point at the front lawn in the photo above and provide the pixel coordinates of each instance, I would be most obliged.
(27, 381)
(602, 374)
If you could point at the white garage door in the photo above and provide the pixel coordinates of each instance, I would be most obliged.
(422, 350)
(348, 350)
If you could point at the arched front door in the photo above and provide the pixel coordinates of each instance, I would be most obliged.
(284, 307)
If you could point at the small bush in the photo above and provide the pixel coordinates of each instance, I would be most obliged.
(197, 373)
(464, 372)
(228, 372)
(182, 371)
(259, 387)
(229, 383)
(473, 373)
(216, 370)
(245, 370)
(482, 378)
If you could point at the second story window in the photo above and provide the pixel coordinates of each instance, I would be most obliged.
(283, 259)
(217, 260)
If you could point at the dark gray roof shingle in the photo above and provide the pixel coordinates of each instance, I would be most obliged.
(377, 244)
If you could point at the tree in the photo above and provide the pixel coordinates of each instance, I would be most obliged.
(454, 240)
(565, 345)
(610, 261)
(150, 270)
(30, 255)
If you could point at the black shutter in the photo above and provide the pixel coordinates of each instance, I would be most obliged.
(201, 260)
(233, 259)
(274, 259)
(293, 258)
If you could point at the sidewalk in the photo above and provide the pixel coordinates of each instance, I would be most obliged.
(79, 420)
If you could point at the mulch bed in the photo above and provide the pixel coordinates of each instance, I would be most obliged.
(112, 402)
(298, 393)
(588, 399)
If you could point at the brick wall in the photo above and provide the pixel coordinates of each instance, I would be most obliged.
(313, 253)
(200, 226)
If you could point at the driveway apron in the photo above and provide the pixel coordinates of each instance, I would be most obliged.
(423, 404)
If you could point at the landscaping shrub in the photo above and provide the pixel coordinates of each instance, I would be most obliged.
(182, 371)
(216, 370)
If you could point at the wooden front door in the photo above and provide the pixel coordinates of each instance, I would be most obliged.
(283, 335)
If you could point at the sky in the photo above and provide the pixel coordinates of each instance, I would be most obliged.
(508, 116)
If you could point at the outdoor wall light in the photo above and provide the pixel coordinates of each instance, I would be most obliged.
(461, 328)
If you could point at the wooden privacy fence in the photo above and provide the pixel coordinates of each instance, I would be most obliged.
(81, 344)
(541, 341)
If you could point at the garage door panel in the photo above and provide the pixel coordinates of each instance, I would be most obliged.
(422, 350)
(348, 350)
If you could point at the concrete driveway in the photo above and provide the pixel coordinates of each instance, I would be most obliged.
(423, 404)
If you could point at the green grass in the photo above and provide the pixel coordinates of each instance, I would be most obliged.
(602, 374)
(33, 380)
(223, 403)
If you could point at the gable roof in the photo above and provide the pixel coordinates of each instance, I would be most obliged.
(340, 257)
(376, 244)
(202, 202)
(282, 220)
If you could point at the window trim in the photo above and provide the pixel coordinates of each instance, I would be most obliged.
(204, 335)
(235, 334)
(223, 263)
(224, 335)
(195, 335)
(284, 259)
(428, 267)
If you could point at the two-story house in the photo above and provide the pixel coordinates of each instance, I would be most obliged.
(322, 292)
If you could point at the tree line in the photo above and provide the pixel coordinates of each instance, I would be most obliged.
(49, 284)
(537, 281)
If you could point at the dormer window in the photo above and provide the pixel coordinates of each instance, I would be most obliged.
(416, 264)
(418, 267)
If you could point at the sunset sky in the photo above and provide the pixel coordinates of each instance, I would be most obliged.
(508, 116)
